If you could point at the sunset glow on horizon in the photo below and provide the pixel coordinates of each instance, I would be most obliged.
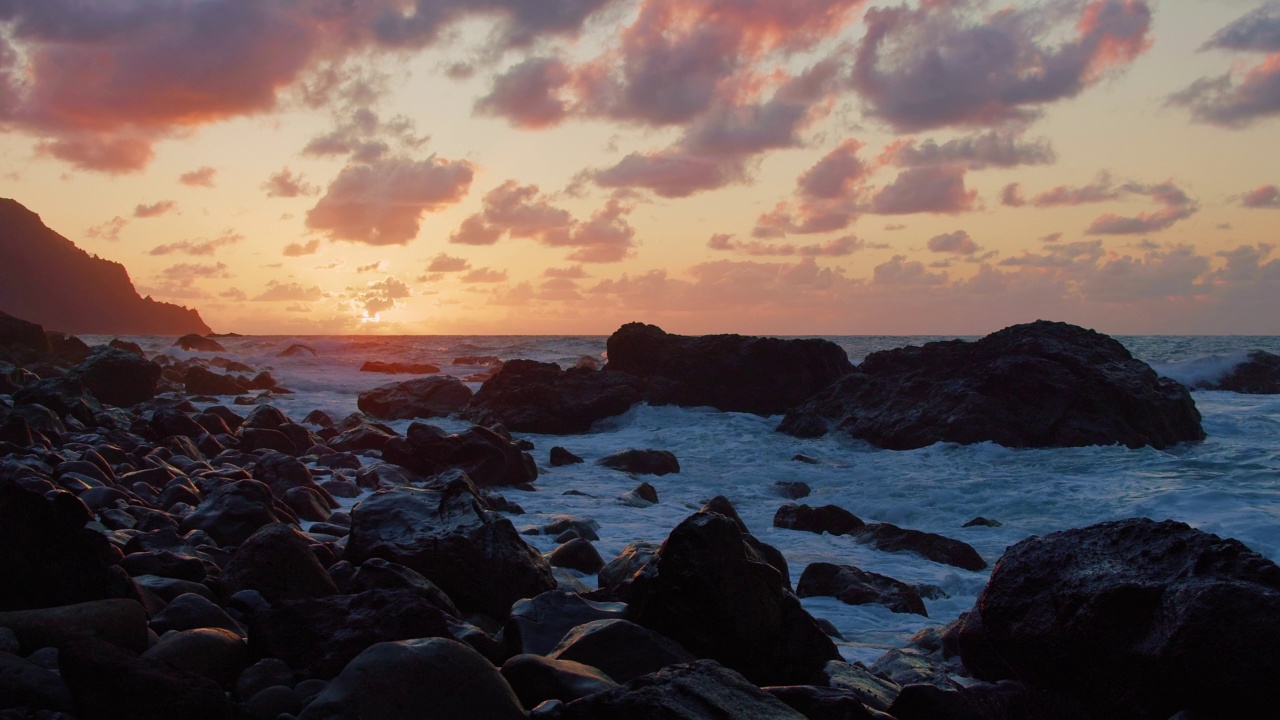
(566, 166)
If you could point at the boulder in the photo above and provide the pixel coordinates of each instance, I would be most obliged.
(1041, 384)
(386, 681)
(870, 689)
(560, 457)
(488, 458)
(202, 381)
(830, 519)
(821, 703)
(379, 574)
(24, 684)
(19, 333)
(233, 512)
(277, 562)
(1136, 618)
(536, 679)
(702, 690)
(642, 462)
(127, 346)
(538, 397)
(765, 376)
(616, 575)
(198, 343)
(536, 625)
(449, 536)
(108, 682)
(706, 589)
(118, 621)
(427, 397)
(930, 546)
(298, 350)
(219, 655)
(65, 396)
(577, 554)
(318, 636)
(118, 377)
(190, 611)
(1259, 374)
(853, 586)
(596, 644)
(396, 368)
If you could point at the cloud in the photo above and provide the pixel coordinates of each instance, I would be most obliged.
(200, 177)
(1158, 275)
(995, 148)
(289, 292)
(369, 268)
(1231, 101)
(443, 263)
(522, 211)
(1011, 195)
(195, 271)
(381, 203)
(1101, 190)
(1258, 30)
(485, 275)
(927, 189)
(956, 243)
(827, 196)
(109, 230)
(381, 295)
(939, 65)
(360, 132)
(198, 247)
(300, 249)
(836, 247)
(900, 271)
(155, 209)
(573, 272)
(233, 294)
(297, 308)
(836, 175)
(1175, 205)
(1265, 196)
(286, 184)
(527, 94)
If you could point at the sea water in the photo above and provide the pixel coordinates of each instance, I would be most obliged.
(1229, 484)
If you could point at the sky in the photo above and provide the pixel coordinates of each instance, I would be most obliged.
(945, 167)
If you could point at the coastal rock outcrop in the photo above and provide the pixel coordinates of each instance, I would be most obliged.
(1258, 375)
(538, 397)
(1042, 384)
(486, 457)
(118, 377)
(427, 397)
(1136, 618)
(736, 373)
(854, 586)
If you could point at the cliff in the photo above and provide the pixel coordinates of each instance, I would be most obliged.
(46, 279)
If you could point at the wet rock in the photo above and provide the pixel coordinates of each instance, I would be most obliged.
(929, 546)
(24, 684)
(792, 490)
(536, 679)
(385, 682)
(127, 346)
(705, 590)
(277, 562)
(298, 350)
(983, 522)
(67, 397)
(118, 377)
(379, 574)
(1136, 618)
(397, 368)
(702, 690)
(873, 691)
(577, 554)
(596, 644)
(821, 703)
(766, 376)
(16, 332)
(1006, 700)
(1041, 384)
(108, 682)
(252, 439)
(643, 496)
(905, 668)
(538, 397)
(233, 512)
(191, 611)
(219, 655)
(616, 575)
(265, 673)
(271, 702)
(198, 343)
(854, 586)
(1258, 375)
(642, 462)
(536, 625)
(434, 396)
(367, 436)
(561, 457)
(828, 518)
(201, 381)
(121, 622)
(486, 457)
(450, 537)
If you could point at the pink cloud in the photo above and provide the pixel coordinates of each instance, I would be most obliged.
(836, 247)
(109, 230)
(291, 292)
(198, 247)
(286, 184)
(381, 203)
(485, 275)
(155, 209)
(1239, 99)
(928, 189)
(938, 65)
(442, 263)
(200, 177)
(527, 94)
(1175, 205)
(836, 175)
(300, 249)
(1265, 196)
(956, 243)
(994, 148)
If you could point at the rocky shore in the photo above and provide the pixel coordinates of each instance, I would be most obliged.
(172, 545)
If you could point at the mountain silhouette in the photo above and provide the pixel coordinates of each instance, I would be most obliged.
(46, 279)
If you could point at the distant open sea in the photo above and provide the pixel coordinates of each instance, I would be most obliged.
(1228, 484)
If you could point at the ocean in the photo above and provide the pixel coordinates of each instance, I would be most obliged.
(1229, 484)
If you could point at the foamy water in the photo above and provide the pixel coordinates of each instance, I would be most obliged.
(1229, 484)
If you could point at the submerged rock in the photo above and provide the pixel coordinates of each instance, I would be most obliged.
(642, 462)
(854, 586)
(1042, 384)
(1136, 618)
(435, 396)
(198, 343)
(736, 373)
(396, 368)
(538, 397)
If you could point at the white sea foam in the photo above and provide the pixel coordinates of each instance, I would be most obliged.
(1205, 369)
(1229, 484)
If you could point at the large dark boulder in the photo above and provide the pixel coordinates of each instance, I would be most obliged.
(318, 636)
(930, 546)
(486, 457)
(708, 590)
(22, 335)
(199, 343)
(1258, 375)
(108, 682)
(427, 397)
(536, 679)
(642, 462)
(538, 624)
(1136, 618)
(65, 396)
(1043, 384)
(452, 538)
(761, 375)
(233, 512)
(538, 397)
(277, 562)
(118, 377)
(831, 519)
(433, 678)
(596, 643)
(854, 586)
(203, 381)
(702, 690)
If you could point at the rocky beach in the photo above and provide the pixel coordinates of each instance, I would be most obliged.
(188, 533)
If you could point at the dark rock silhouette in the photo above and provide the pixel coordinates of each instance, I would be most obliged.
(538, 397)
(854, 586)
(1259, 375)
(46, 279)
(1042, 384)
(1137, 618)
(425, 397)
